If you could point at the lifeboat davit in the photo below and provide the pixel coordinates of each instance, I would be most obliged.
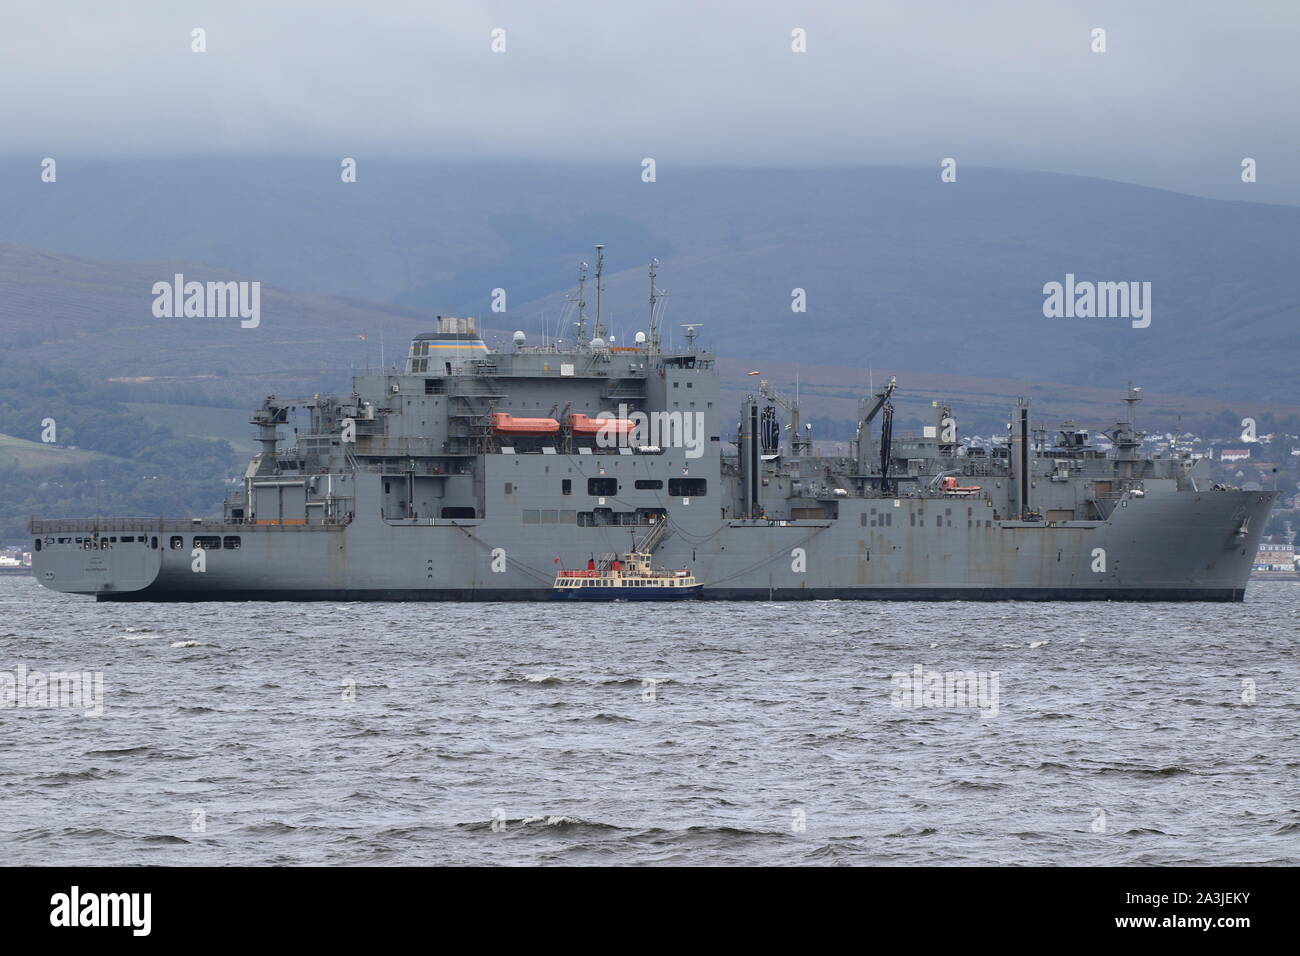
(504, 424)
(586, 425)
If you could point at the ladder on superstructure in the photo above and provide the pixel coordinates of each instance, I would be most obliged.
(654, 537)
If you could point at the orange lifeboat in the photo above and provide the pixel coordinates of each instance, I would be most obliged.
(949, 486)
(586, 425)
(504, 424)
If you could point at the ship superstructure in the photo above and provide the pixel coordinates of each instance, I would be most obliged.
(472, 473)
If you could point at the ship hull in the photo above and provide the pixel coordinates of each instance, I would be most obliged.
(1218, 595)
(1175, 546)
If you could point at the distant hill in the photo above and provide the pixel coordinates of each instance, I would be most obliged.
(200, 377)
(900, 270)
(33, 455)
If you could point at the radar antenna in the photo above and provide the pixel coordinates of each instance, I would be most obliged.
(691, 332)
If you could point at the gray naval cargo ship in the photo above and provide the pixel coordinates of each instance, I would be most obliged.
(477, 474)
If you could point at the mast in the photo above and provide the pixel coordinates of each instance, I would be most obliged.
(654, 302)
(582, 304)
(600, 288)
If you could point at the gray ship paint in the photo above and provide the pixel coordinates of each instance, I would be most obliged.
(468, 476)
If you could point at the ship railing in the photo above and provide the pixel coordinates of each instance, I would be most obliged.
(63, 525)
(401, 466)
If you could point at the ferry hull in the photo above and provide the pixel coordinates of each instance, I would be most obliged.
(627, 594)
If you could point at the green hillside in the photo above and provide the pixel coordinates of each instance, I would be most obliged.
(202, 421)
(34, 455)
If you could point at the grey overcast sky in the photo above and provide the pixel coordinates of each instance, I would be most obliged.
(1184, 91)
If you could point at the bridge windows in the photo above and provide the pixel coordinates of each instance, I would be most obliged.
(649, 484)
(566, 486)
(208, 542)
(602, 487)
(231, 542)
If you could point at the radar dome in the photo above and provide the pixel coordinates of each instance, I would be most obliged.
(640, 338)
(520, 338)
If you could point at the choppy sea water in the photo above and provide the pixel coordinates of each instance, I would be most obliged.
(707, 733)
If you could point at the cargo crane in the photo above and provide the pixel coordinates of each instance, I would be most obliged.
(800, 441)
(866, 444)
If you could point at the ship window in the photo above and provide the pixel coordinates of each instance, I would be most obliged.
(510, 488)
(532, 516)
(231, 542)
(690, 384)
(649, 484)
(549, 516)
(37, 544)
(454, 512)
(208, 542)
(153, 542)
(601, 487)
(128, 539)
(676, 384)
(688, 487)
(566, 486)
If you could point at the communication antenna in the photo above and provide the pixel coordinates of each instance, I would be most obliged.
(600, 288)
